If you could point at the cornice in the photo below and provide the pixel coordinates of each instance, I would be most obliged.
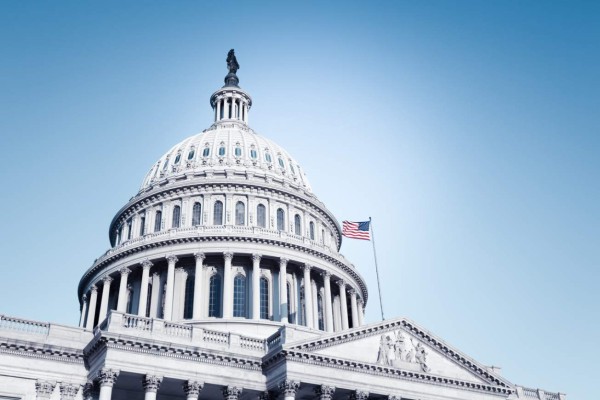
(46, 352)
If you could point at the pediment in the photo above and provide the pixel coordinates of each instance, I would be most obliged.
(399, 344)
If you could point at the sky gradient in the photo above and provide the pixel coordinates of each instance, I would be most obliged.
(468, 131)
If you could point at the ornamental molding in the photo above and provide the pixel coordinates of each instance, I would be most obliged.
(200, 256)
(325, 392)
(192, 389)
(171, 258)
(289, 387)
(151, 383)
(108, 377)
(68, 391)
(231, 392)
(359, 395)
(147, 264)
(44, 389)
(46, 352)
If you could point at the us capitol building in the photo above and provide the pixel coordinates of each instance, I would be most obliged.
(224, 281)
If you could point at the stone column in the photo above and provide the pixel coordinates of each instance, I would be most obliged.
(83, 311)
(231, 392)
(92, 308)
(308, 297)
(289, 388)
(343, 304)
(107, 378)
(122, 299)
(283, 304)
(227, 286)
(324, 392)
(256, 286)
(359, 395)
(361, 312)
(154, 300)
(104, 302)
(328, 302)
(68, 391)
(218, 117)
(168, 311)
(146, 265)
(44, 389)
(178, 294)
(354, 308)
(151, 384)
(192, 389)
(198, 286)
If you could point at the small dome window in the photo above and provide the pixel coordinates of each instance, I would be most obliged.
(238, 151)
(268, 157)
(191, 153)
(165, 164)
(221, 151)
(292, 168)
(178, 158)
(206, 152)
(281, 163)
(253, 154)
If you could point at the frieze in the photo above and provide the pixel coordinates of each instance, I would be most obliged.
(396, 350)
(29, 349)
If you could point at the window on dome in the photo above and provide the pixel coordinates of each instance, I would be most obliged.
(280, 219)
(157, 221)
(191, 153)
(177, 158)
(206, 152)
(129, 224)
(218, 213)
(268, 158)
(264, 298)
(311, 228)
(214, 296)
(281, 163)
(239, 296)
(119, 234)
(261, 215)
(188, 303)
(176, 217)
(291, 315)
(322, 236)
(297, 227)
(238, 151)
(253, 154)
(196, 214)
(143, 225)
(166, 164)
(240, 213)
(221, 151)
(292, 168)
(320, 312)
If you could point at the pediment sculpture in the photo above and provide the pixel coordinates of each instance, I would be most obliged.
(396, 350)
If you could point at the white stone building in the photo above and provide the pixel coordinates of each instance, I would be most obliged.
(224, 281)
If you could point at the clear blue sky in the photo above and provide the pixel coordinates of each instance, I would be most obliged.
(469, 131)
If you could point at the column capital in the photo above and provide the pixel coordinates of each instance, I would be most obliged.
(360, 301)
(172, 258)
(179, 270)
(200, 256)
(107, 376)
(125, 271)
(151, 383)
(68, 391)
(231, 392)
(289, 387)
(352, 291)
(228, 255)
(326, 275)
(156, 274)
(307, 267)
(266, 395)
(283, 261)
(192, 389)
(325, 392)
(256, 257)
(359, 395)
(107, 280)
(147, 264)
(341, 283)
(91, 390)
(44, 389)
(84, 298)
(93, 288)
(394, 397)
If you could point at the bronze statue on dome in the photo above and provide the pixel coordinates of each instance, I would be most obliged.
(232, 63)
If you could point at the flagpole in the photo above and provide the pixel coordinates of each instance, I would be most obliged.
(376, 268)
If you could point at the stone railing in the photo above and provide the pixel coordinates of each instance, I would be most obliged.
(144, 327)
(538, 394)
(23, 325)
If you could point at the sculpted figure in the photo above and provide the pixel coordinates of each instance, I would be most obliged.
(232, 63)
(386, 350)
(401, 347)
(421, 357)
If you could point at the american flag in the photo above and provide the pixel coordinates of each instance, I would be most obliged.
(356, 230)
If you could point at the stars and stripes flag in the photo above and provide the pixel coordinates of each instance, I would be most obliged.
(356, 230)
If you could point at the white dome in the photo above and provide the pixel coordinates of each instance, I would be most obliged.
(227, 146)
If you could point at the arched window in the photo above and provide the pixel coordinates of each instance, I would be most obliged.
(297, 227)
(176, 216)
(268, 157)
(311, 230)
(322, 236)
(166, 164)
(143, 225)
(291, 318)
(206, 152)
(253, 154)
(261, 215)
(214, 296)
(218, 213)
(157, 221)
(196, 214)
(239, 296)
(178, 158)
(238, 151)
(221, 151)
(264, 298)
(281, 163)
(129, 224)
(280, 219)
(191, 153)
(320, 312)
(188, 302)
(240, 213)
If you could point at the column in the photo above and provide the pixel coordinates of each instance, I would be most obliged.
(343, 304)
(198, 286)
(218, 116)
(44, 389)
(155, 299)
(68, 391)
(283, 305)
(227, 286)
(308, 297)
(324, 392)
(231, 392)
(104, 302)
(83, 311)
(92, 308)
(256, 286)
(361, 312)
(192, 389)
(151, 384)
(122, 300)
(168, 311)
(354, 308)
(146, 265)
(359, 395)
(328, 302)
(107, 378)
(178, 294)
(289, 388)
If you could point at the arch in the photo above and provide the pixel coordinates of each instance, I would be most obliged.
(218, 213)
(214, 296)
(239, 296)
(240, 213)
(280, 219)
(196, 214)
(264, 298)
(176, 217)
(297, 225)
(311, 230)
(261, 215)
(157, 221)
